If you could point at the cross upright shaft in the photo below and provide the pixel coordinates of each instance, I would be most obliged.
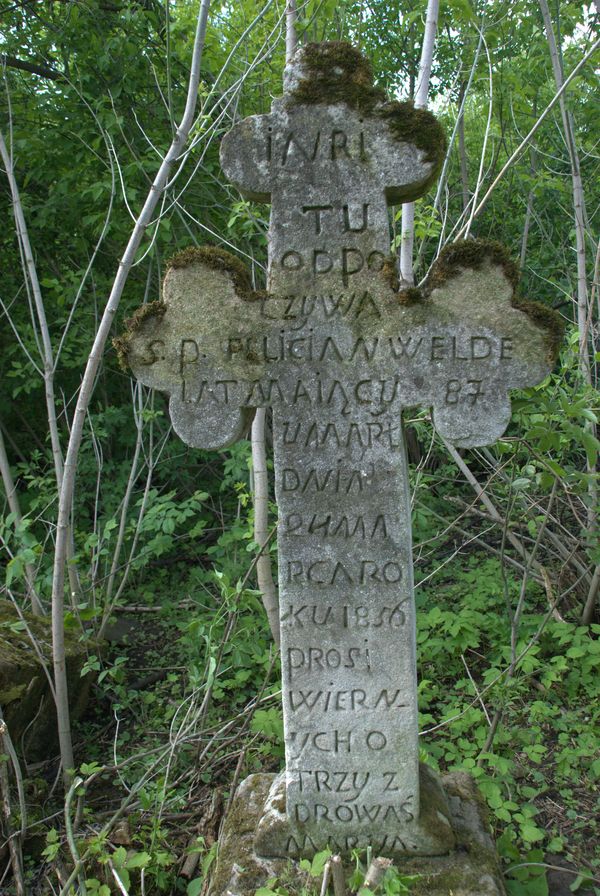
(338, 353)
(344, 535)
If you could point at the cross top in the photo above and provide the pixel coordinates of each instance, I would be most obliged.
(338, 352)
(330, 177)
(331, 309)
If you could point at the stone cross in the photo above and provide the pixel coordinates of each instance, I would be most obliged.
(337, 352)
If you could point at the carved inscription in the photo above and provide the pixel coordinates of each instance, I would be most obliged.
(345, 701)
(288, 149)
(328, 525)
(345, 616)
(348, 782)
(338, 741)
(386, 845)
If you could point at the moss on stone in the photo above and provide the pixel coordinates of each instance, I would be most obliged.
(412, 295)
(409, 296)
(212, 257)
(472, 868)
(337, 73)
(434, 814)
(550, 320)
(122, 343)
(218, 260)
(389, 272)
(24, 692)
(472, 254)
(419, 127)
(9, 694)
(236, 846)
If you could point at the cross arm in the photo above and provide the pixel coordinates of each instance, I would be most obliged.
(183, 346)
(412, 153)
(245, 157)
(485, 339)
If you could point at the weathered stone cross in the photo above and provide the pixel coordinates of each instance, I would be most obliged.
(338, 352)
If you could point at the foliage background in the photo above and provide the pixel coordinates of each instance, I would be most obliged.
(508, 653)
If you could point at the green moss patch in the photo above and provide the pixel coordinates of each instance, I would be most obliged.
(419, 127)
(122, 343)
(553, 324)
(24, 692)
(389, 272)
(218, 260)
(412, 295)
(472, 254)
(337, 72)
(211, 257)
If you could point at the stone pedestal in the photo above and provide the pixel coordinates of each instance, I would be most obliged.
(256, 823)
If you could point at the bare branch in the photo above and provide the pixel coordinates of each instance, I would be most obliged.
(88, 383)
(35, 68)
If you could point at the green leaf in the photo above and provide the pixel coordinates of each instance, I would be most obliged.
(530, 833)
(195, 886)
(14, 570)
(319, 862)
(119, 856)
(137, 860)
(579, 881)
(123, 876)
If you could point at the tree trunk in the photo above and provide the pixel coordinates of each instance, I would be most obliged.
(264, 574)
(407, 277)
(578, 199)
(464, 174)
(87, 387)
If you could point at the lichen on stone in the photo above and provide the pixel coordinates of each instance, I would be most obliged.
(122, 343)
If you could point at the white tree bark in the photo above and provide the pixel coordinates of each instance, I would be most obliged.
(578, 198)
(407, 277)
(31, 273)
(264, 573)
(260, 495)
(528, 211)
(46, 351)
(87, 388)
(290, 29)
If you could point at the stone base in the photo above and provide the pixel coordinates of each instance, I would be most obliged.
(429, 835)
(471, 868)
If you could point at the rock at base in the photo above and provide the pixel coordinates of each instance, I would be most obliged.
(471, 868)
(25, 697)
